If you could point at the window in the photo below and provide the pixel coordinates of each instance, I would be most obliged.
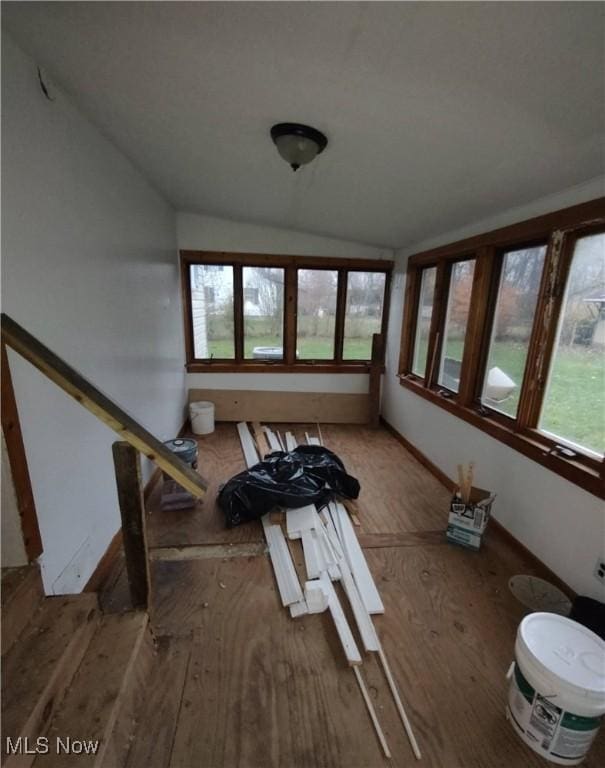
(316, 314)
(513, 324)
(263, 313)
(574, 404)
(458, 305)
(423, 320)
(363, 316)
(260, 312)
(212, 311)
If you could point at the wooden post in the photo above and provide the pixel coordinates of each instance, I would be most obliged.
(127, 463)
(375, 376)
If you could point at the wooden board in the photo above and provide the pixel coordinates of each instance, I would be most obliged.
(101, 689)
(127, 463)
(279, 406)
(38, 670)
(375, 379)
(21, 594)
(356, 560)
(251, 549)
(105, 409)
(161, 710)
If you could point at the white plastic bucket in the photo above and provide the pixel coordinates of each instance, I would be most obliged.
(556, 698)
(201, 415)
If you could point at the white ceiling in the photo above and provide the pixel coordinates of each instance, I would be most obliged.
(437, 114)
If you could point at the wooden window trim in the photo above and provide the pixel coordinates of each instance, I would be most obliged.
(560, 231)
(290, 264)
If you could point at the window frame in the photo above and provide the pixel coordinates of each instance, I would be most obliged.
(559, 231)
(291, 265)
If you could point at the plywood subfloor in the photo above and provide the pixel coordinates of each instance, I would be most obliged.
(262, 690)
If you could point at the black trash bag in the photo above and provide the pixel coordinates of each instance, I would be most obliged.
(310, 474)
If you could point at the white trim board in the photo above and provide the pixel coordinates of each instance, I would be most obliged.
(356, 559)
(285, 573)
(342, 627)
(247, 443)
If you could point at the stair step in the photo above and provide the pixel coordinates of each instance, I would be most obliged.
(157, 720)
(108, 689)
(22, 593)
(38, 669)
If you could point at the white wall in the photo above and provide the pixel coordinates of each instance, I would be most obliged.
(559, 522)
(89, 267)
(209, 233)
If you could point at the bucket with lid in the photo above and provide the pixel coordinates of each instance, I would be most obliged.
(556, 698)
(201, 415)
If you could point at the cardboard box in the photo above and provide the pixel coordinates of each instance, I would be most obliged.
(467, 522)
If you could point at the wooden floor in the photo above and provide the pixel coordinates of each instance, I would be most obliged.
(241, 684)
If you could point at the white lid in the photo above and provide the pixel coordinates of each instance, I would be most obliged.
(568, 650)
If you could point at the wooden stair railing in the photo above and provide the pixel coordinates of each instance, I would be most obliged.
(126, 459)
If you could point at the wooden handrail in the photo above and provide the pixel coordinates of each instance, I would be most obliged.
(105, 409)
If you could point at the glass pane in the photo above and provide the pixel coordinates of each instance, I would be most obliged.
(458, 304)
(212, 311)
(511, 331)
(263, 313)
(423, 321)
(363, 314)
(316, 314)
(574, 405)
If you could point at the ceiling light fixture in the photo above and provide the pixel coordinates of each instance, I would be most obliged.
(298, 144)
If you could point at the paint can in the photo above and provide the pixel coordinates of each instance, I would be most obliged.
(173, 495)
(201, 415)
(556, 698)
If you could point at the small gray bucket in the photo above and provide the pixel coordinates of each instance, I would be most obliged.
(173, 495)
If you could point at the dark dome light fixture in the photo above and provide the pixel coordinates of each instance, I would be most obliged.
(298, 144)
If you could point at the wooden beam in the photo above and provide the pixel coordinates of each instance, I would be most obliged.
(261, 440)
(127, 463)
(375, 377)
(105, 409)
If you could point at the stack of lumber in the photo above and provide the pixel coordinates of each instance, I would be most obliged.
(331, 553)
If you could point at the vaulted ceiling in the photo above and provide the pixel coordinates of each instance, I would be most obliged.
(437, 114)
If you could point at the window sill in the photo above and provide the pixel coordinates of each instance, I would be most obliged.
(278, 367)
(528, 444)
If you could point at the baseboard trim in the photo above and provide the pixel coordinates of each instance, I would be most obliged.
(101, 572)
(501, 531)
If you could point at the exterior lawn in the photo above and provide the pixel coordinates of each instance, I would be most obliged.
(309, 348)
(575, 400)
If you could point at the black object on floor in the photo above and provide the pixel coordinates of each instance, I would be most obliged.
(590, 613)
(310, 474)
